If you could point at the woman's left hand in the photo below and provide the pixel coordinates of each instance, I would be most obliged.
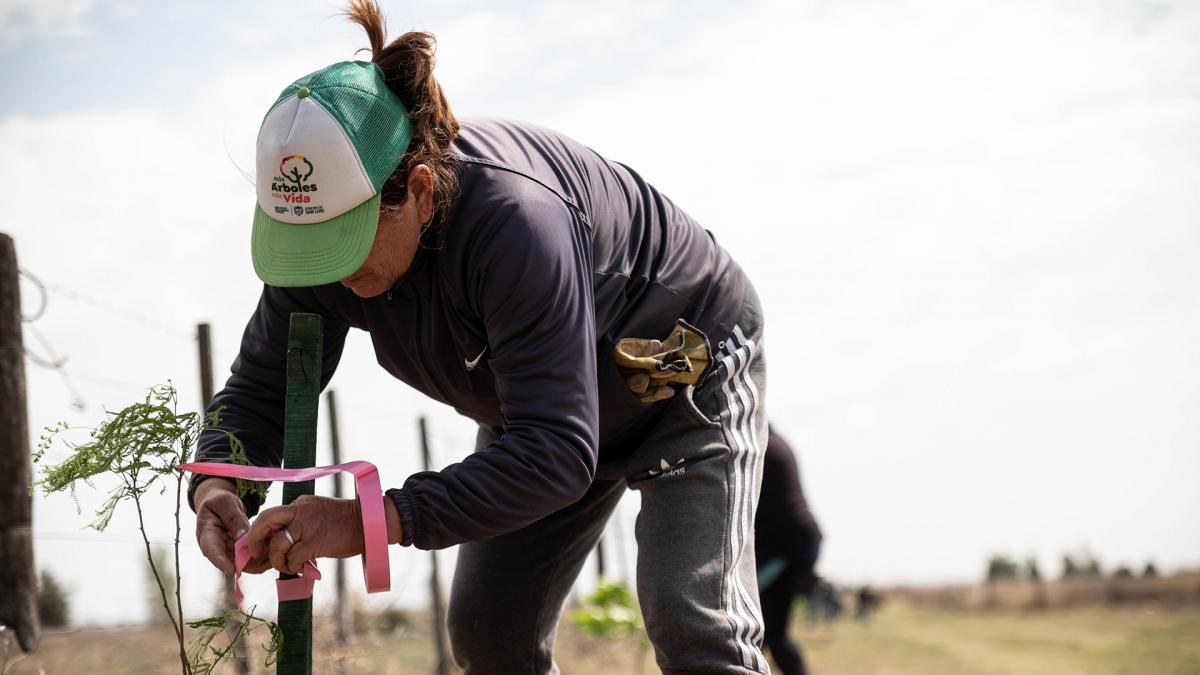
(321, 527)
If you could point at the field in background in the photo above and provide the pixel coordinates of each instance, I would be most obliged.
(902, 639)
(1174, 592)
(907, 640)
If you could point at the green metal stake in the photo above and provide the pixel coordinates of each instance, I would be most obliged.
(299, 452)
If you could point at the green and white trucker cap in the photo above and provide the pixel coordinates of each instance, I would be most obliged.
(325, 149)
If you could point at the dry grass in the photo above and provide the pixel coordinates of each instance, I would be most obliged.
(1181, 590)
(902, 639)
(906, 640)
(149, 649)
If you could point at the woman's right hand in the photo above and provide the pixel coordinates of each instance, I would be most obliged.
(220, 520)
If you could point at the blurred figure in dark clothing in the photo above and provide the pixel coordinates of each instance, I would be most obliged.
(867, 601)
(787, 542)
(823, 604)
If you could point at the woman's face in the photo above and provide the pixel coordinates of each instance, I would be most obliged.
(396, 239)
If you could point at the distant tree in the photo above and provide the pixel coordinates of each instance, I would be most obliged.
(1150, 571)
(1032, 571)
(1001, 567)
(1123, 572)
(1084, 566)
(1070, 568)
(52, 602)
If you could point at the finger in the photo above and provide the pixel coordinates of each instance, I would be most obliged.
(303, 551)
(265, 526)
(650, 348)
(638, 382)
(217, 519)
(278, 552)
(232, 514)
(662, 393)
(212, 543)
(257, 566)
(218, 558)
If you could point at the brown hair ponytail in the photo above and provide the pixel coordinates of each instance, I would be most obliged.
(407, 65)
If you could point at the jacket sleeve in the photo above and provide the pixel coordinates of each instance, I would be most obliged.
(251, 404)
(529, 274)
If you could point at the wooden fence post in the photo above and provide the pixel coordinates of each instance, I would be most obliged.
(207, 391)
(435, 583)
(18, 579)
(335, 446)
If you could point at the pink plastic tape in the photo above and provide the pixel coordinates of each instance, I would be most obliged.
(370, 501)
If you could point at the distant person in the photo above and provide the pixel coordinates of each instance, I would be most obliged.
(824, 603)
(787, 543)
(867, 602)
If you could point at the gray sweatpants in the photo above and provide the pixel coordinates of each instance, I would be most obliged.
(699, 471)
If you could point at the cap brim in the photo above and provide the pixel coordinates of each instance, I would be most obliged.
(286, 254)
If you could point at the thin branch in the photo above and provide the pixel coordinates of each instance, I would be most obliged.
(137, 502)
(242, 630)
(178, 584)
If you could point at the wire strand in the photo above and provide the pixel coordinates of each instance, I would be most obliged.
(125, 315)
(78, 403)
(21, 271)
(106, 539)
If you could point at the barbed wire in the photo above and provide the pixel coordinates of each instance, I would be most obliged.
(53, 361)
(103, 381)
(106, 539)
(37, 283)
(56, 363)
(131, 317)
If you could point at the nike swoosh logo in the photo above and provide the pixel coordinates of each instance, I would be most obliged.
(471, 364)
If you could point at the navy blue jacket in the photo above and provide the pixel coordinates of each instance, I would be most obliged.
(549, 255)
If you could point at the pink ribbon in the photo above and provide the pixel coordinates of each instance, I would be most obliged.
(370, 501)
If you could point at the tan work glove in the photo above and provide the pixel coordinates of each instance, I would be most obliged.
(649, 366)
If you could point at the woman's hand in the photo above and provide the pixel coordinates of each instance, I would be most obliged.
(220, 520)
(321, 527)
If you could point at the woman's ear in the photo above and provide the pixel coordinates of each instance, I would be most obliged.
(420, 191)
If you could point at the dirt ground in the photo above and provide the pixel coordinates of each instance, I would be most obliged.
(903, 640)
(900, 640)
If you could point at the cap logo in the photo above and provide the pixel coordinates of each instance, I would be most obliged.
(293, 171)
(291, 187)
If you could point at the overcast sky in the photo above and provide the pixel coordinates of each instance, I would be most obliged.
(975, 226)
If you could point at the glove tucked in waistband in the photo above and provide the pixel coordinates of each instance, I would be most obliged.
(649, 365)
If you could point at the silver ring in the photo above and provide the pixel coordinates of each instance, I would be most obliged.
(288, 534)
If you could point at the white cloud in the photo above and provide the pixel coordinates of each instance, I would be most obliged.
(33, 19)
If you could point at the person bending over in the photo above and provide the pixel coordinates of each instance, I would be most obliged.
(601, 339)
